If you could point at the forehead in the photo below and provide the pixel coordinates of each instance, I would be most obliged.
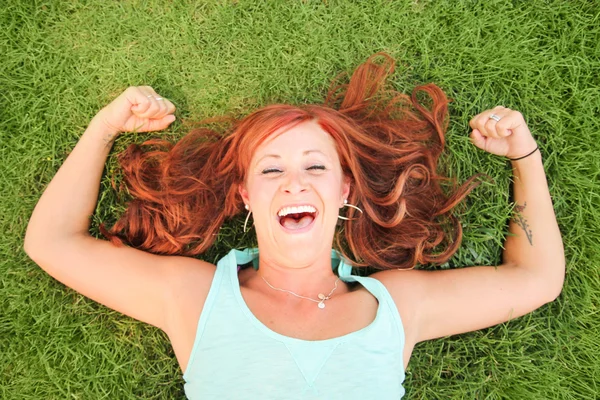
(305, 138)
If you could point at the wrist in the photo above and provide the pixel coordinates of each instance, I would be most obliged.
(102, 130)
(101, 124)
(525, 155)
(532, 159)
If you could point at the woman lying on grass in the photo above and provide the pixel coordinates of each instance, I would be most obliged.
(289, 319)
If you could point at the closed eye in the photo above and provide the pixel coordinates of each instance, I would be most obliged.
(277, 170)
(270, 170)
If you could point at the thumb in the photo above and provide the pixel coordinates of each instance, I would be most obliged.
(158, 124)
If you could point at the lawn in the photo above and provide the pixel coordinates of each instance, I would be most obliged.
(64, 60)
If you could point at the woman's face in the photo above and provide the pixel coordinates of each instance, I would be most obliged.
(294, 188)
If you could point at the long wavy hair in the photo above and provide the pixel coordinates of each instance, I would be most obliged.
(388, 144)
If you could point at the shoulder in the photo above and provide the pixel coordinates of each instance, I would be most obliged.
(190, 281)
(190, 277)
(405, 287)
(401, 284)
(188, 271)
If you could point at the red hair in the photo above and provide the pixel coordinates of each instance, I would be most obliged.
(388, 143)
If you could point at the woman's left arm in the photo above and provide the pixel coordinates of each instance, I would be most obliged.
(440, 303)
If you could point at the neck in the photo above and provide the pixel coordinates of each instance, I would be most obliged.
(308, 279)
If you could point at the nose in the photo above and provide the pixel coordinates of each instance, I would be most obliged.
(294, 183)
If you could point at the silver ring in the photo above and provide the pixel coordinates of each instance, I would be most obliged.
(495, 117)
(150, 95)
(159, 98)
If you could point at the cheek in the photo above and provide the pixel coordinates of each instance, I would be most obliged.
(256, 187)
(331, 193)
(261, 196)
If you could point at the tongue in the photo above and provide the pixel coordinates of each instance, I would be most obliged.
(299, 223)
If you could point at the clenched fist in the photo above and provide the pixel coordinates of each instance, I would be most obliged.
(503, 132)
(138, 108)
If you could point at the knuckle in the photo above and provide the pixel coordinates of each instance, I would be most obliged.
(145, 105)
(155, 107)
(151, 109)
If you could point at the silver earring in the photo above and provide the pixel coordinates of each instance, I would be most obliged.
(247, 217)
(351, 206)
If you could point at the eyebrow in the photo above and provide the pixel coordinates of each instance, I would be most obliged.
(304, 153)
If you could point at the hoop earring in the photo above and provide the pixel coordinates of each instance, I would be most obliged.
(351, 206)
(247, 217)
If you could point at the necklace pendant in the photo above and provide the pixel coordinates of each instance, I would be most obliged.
(321, 304)
(321, 296)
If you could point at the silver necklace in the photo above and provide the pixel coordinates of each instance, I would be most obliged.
(321, 296)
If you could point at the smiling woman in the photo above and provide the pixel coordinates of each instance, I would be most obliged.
(388, 146)
(289, 319)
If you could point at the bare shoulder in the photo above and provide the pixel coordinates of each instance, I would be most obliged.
(190, 280)
(404, 287)
(186, 272)
(401, 284)
(396, 277)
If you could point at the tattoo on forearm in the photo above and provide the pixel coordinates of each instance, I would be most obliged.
(520, 220)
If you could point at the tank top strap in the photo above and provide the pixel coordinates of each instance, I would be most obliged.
(374, 286)
(240, 257)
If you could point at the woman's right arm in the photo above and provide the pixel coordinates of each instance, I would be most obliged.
(136, 283)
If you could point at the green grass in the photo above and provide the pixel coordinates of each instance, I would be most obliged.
(62, 61)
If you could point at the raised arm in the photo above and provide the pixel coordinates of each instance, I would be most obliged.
(133, 282)
(440, 303)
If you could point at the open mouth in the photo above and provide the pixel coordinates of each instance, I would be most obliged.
(298, 217)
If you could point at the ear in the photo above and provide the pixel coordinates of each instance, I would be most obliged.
(345, 190)
(244, 193)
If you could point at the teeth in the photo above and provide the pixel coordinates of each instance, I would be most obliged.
(296, 210)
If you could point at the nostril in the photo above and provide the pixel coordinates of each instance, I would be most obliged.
(295, 190)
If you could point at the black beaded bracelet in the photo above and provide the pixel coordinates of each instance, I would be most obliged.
(520, 158)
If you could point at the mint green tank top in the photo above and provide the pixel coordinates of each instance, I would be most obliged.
(235, 356)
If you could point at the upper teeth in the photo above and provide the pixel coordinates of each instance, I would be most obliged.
(296, 210)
